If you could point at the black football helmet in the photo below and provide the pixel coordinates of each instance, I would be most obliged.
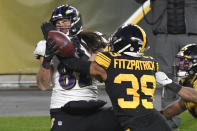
(186, 61)
(128, 39)
(71, 13)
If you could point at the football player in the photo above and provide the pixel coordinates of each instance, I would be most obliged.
(129, 78)
(186, 67)
(74, 102)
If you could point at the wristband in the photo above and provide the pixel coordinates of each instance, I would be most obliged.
(46, 64)
(174, 87)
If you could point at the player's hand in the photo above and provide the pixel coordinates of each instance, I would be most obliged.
(50, 51)
(46, 27)
(162, 78)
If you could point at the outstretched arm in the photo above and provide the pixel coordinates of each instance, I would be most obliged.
(43, 76)
(189, 94)
(174, 109)
(85, 67)
(97, 71)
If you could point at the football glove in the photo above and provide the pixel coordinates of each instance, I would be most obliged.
(50, 51)
(76, 64)
(46, 27)
(78, 53)
(162, 78)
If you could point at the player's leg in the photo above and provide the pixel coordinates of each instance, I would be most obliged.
(158, 123)
(63, 121)
(104, 120)
(153, 121)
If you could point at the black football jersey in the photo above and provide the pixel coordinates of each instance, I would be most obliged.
(130, 83)
(190, 82)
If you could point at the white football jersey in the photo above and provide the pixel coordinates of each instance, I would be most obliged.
(66, 86)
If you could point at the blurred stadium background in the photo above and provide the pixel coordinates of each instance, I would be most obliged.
(21, 21)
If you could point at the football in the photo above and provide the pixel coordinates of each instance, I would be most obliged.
(66, 48)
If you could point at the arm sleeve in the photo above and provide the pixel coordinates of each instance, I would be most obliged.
(103, 59)
(76, 65)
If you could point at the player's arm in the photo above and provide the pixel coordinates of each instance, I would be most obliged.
(85, 67)
(189, 94)
(97, 71)
(45, 50)
(173, 109)
(43, 76)
(186, 93)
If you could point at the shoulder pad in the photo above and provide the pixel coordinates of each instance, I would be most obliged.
(40, 49)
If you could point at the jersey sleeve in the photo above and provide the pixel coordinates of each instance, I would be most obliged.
(40, 49)
(103, 59)
(156, 66)
(195, 84)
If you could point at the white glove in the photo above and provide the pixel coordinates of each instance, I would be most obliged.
(162, 78)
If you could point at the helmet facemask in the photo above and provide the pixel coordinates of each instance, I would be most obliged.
(182, 66)
(70, 13)
(186, 61)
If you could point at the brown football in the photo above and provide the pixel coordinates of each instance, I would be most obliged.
(66, 47)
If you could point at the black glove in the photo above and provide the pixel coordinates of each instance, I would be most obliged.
(50, 51)
(76, 42)
(76, 64)
(46, 27)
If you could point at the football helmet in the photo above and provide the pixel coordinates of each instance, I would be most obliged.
(71, 13)
(128, 39)
(186, 61)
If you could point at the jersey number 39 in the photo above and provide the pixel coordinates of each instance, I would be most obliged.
(133, 90)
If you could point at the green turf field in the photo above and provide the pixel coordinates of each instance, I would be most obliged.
(42, 123)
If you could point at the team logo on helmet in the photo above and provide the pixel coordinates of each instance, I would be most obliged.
(128, 39)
